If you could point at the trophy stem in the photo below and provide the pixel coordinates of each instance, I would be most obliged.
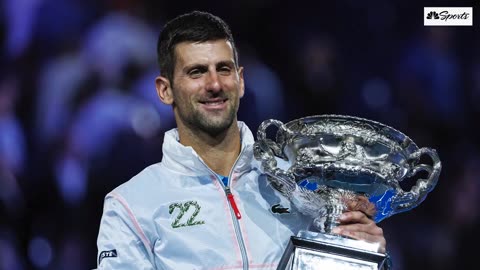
(333, 213)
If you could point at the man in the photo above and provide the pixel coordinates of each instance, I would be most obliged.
(206, 205)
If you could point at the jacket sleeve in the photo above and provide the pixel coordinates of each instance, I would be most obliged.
(121, 241)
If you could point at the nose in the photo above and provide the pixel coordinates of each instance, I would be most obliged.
(213, 82)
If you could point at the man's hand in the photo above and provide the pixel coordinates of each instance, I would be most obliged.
(357, 225)
(362, 204)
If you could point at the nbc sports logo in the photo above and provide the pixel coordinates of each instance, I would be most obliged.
(448, 16)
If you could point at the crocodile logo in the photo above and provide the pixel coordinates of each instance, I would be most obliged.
(278, 209)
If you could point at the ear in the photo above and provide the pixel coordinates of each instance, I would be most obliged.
(242, 83)
(164, 91)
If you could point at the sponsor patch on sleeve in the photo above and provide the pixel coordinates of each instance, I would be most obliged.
(107, 254)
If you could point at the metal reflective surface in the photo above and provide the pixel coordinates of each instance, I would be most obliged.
(336, 159)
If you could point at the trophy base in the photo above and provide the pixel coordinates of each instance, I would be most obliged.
(312, 251)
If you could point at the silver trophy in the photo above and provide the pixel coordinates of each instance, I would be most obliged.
(333, 162)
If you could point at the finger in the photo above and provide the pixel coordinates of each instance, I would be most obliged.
(370, 236)
(371, 228)
(368, 232)
(363, 236)
(360, 225)
(354, 217)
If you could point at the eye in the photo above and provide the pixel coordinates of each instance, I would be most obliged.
(195, 72)
(225, 70)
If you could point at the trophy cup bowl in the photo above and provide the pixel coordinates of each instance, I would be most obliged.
(335, 160)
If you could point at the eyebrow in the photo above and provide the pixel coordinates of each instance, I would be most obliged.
(229, 63)
(225, 63)
(193, 66)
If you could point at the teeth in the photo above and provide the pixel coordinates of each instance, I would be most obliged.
(213, 103)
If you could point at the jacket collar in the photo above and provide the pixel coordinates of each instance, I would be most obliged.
(185, 160)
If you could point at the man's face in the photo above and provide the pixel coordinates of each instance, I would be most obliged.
(206, 86)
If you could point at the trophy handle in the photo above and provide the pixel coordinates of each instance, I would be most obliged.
(269, 146)
(405, 201)
(266, 150)
(262, 129)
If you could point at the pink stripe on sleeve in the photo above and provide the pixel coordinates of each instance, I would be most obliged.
(144, 239)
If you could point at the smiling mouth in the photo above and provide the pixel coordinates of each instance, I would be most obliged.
(214, 102)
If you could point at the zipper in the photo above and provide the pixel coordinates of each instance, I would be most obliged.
(236, 213)
(232, 203)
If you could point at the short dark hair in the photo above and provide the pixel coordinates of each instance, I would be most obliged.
(196, 26)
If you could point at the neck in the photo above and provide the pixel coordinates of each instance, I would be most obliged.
(219, 152)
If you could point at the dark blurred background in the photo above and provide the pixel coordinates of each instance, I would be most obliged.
(79, 113)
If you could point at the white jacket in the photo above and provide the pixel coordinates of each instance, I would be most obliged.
(176, 215)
